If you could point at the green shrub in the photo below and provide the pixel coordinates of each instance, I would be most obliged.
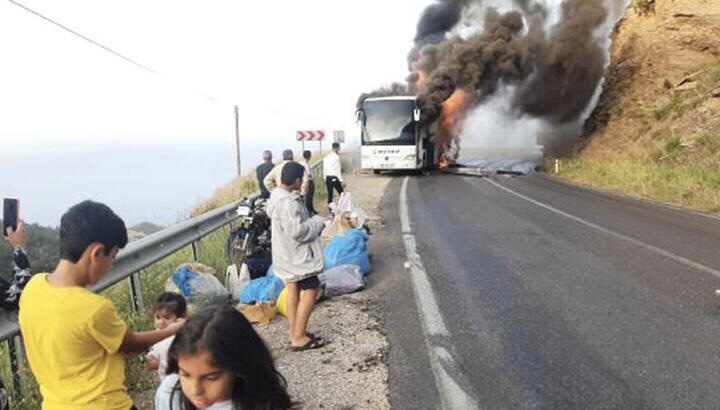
(672, 145)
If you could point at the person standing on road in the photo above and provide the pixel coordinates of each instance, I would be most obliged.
(308, 186)
(262, 171)
(297, 254)
(332, 169)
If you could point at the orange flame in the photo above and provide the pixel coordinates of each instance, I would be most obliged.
(443, 163)
(452, 108)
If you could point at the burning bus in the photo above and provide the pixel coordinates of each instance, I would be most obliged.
(393, 136)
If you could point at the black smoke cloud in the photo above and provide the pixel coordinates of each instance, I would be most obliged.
(556, 71)
(438, 19)
(557, 74)
(570, 65)
(392, 89)
(476, 65)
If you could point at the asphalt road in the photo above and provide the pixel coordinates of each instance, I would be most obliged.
(554, 296)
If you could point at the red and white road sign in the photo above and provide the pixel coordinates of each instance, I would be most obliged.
(310, 135)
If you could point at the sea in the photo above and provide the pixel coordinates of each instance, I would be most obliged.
(142, 182)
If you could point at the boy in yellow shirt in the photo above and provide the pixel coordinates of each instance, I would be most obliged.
(75, 339)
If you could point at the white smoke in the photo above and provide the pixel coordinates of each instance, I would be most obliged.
(493, 132)
(493, 135)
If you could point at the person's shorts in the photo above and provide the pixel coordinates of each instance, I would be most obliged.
(309, 283)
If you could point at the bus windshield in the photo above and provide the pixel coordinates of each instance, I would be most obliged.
(389, 122)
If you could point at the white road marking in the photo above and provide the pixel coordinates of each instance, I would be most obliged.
(636, 242)
(404, 216)
(435, 326)
(452, 395)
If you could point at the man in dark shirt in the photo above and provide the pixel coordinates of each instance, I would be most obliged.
(262, 171)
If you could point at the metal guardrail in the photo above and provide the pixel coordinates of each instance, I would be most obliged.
(146, 251)
(316, 170)
(137, 256)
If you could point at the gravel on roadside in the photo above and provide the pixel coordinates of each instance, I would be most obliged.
(347, 373)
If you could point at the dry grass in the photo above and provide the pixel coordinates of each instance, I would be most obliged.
(672, 156)
(233, 191)
(247, 184)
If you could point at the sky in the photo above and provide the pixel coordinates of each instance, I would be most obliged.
(288, 65)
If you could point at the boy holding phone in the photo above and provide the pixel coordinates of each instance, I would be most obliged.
(74, 338)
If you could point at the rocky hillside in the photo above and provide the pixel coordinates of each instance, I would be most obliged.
(656, 129)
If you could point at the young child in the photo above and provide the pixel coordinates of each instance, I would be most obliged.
(218, 362)
(75, 339)
(297, 254)
(169, 308)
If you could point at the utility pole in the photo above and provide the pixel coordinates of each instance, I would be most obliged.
(237, 140)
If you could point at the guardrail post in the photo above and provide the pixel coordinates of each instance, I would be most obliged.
(196, 251)
(12, 345)
(136, 298)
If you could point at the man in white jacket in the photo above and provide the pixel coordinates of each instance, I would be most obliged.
(297, 253)
(332, 168)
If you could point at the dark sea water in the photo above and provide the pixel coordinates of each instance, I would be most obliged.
(158, 183)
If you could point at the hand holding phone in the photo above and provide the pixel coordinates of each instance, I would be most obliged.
(17, 238)
(13, 226)
(11, 214)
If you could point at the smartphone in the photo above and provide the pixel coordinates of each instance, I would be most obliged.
(11, 214)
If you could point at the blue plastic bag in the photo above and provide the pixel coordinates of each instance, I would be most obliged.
(182, 278)
(198, 288)
(348, 249)
(265, 289)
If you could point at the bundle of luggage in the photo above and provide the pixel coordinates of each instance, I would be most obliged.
(260, 293)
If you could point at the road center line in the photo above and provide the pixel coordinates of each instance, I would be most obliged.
(636, 242)
(444, 368)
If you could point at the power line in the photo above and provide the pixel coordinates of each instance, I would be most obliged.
(68, 29)
(106, 48)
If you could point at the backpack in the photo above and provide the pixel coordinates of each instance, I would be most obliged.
(258, 264)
